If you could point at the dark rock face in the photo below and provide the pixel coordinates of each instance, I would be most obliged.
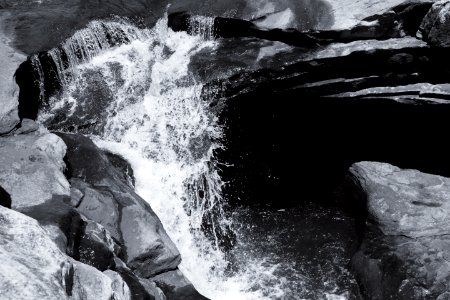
(141, 289)
(266, 111)
(97, 248)
(124, 166)
(58, 214)
(401, 20)
(108, 200)
(176, 287)
(435, 26)
(405, 241)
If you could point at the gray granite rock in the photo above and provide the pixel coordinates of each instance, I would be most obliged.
(177, 287)
(406, 236)
(9, 60)
(108, 199)
(405, 202)
(31, 168)
(435, 27)
(34, 268)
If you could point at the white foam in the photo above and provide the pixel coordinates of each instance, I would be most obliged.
(159, 123)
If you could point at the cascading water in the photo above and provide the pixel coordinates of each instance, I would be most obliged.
(202, 26)
(156, 119)
(132, 90)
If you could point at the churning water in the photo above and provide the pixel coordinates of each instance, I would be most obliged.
(157, 120)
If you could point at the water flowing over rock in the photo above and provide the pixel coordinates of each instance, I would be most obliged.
(406, 237)
(191, 146)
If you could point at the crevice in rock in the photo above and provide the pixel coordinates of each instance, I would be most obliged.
(5, 198)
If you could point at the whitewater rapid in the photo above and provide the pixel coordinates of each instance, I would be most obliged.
(157, 120)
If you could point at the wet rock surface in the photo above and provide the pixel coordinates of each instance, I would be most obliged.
(176, 286)
(130, 220)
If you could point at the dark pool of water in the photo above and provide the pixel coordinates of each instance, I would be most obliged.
(309, 245)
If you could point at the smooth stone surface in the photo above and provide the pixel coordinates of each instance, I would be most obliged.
(404, 202)
(408, 94)
(109, 200)
(26, 126)
(177, 287)
(348, 13)
(406, 234)
(9, 91)
(31, 168)
(34, 268)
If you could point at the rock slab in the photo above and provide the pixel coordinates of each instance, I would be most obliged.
(31, 168)
(406, 241)
(104, 195)
(29, 256)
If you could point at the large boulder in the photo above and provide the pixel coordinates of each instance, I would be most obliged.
(405, 202)
(405, 241)
(435, 27)
(103, 194)
(34, 268)
(31, 168)
(9, 91)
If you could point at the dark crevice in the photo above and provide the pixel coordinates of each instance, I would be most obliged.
(5, 198)
(138, 292)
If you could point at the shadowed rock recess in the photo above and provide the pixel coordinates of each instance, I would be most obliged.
(344, 118)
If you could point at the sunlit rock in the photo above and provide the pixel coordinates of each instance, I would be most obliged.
(110, 201)
(34, 268)
(31, 168)
(404, 251)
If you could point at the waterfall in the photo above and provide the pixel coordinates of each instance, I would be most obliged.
(151, 112)
(202, 26)
(85, 44)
